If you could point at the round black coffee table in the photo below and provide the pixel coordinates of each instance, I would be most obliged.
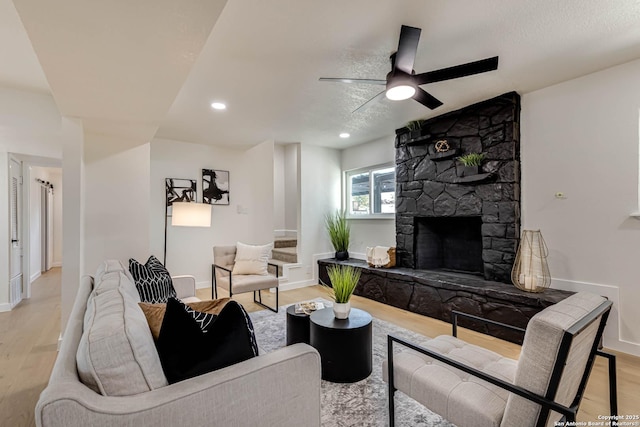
(345, 346)
(297, 326)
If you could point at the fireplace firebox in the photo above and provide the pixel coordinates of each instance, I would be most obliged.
(449, 244)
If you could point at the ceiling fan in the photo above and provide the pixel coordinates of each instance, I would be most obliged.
(403, 83)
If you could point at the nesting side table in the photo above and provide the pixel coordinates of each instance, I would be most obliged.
(345, 345)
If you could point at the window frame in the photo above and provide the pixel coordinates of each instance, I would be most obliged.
(347, 191)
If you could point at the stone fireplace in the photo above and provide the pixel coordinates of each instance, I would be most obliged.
(457, 232)
(447, 220)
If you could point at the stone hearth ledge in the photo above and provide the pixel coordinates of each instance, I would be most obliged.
(435, 294)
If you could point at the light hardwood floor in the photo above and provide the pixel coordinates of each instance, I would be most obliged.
(29, 335)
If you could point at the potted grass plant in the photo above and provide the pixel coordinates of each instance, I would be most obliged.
(344, 279)
(471, 163)
(339, 233)
(415, 128)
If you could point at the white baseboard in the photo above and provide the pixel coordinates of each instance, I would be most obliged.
(59, 341)
(611, 337)
(298, 284)
(202, 285)
(56, 264)
(5, 307)
(35, 276)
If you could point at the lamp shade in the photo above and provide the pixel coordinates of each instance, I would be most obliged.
(191, 214)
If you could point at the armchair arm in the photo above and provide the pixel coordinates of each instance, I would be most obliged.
(276, 266)
(454, 322)
(185, 286)
(214, 285)
(540, 400)
(221, 268)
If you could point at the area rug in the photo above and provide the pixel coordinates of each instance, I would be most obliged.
(363, 403)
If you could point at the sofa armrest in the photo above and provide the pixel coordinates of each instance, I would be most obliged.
(185, 286)
(239, 395)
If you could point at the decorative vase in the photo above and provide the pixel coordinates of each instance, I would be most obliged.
(341, 310)
(530, 270)
(342, 255)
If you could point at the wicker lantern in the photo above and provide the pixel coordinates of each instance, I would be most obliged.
(530, 270)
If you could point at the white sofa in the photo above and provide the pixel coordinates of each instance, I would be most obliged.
(276, 389)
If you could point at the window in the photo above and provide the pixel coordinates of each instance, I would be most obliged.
(371, 191)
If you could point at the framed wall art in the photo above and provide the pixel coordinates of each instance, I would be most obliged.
(215, 187)
(179, 190)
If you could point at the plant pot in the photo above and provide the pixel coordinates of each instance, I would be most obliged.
(341, 310)
(342, 255)
(470, 170)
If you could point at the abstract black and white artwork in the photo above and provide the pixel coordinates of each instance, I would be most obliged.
(215, 187)
(179, 190)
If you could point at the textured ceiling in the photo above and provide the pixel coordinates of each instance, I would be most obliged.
(119, 66)
(264, 59)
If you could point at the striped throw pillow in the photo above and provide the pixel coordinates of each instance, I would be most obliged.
(152, 280)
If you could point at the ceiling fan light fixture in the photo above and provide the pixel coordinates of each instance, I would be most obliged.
(400, 92)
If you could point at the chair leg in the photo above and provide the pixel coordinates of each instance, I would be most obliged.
(259, 301)
(392, 390)
(613, 386)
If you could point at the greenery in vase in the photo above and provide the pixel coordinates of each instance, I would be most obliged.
(472, 159)
(339, 230)
(344, 279)
(414, 125)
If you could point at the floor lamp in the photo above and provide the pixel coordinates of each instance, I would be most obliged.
(187, 214)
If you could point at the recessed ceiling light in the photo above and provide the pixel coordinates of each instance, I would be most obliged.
(344, 135)
(218, 106)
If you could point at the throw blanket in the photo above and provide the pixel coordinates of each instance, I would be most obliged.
(378, 255)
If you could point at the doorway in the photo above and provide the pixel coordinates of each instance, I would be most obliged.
(16, 284)
(44, 220)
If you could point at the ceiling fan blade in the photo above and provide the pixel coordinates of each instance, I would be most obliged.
(427, 99)
(364, 81)
(407, 48)
(369, 102)
(470, 68)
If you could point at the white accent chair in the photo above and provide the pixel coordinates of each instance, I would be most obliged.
(221, 275)
(471, 386)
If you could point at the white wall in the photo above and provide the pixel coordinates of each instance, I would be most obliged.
(370, 232)
(248, 218)
(116, 204)
(30, 123)
(581, 138)
(286, 189)
(73, 244)
(279, 196)
(291, 186)
(320, 194)
(55, 177)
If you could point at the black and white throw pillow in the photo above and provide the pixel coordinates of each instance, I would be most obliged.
(152, 280)
(187, 350)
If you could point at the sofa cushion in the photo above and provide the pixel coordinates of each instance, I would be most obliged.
(116, 355)
(152, 280)
(186, 350)
(155, 312)
(252, 259)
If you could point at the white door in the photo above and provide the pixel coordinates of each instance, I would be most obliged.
(15, 205)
